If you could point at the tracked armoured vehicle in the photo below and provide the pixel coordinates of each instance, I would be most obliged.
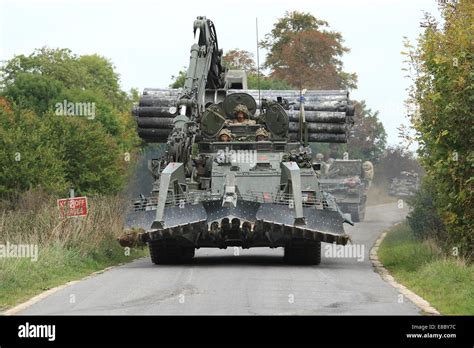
(406, 184)
(237, 170)
(349, 183)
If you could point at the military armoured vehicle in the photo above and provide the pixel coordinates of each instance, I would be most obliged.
(237, 170)
(405, 185)
(348, 182)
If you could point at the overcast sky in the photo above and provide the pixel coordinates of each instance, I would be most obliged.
(148, 41)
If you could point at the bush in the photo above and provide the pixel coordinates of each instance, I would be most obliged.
(57, 152)
(94, 162)
(424, 220)
(441, 67)
(88, 152)
(34, 91)
(29, 156)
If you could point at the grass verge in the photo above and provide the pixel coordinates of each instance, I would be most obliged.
(447, 283)
(68, 249)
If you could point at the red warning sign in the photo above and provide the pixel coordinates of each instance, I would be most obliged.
(69, 207)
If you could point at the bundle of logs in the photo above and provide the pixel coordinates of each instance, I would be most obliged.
(328, 114)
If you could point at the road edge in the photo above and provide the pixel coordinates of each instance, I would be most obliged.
(379, 268)
(35, 299)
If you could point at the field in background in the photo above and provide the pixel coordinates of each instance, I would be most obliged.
(447, 283)
(68, 249)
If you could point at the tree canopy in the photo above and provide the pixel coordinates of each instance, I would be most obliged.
(441, 68)
(367, 139)
(304, 52)
(240, 60)
(54, 150)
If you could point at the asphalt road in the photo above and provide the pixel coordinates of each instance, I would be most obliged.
(256, 281)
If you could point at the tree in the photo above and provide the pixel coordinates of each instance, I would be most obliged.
(95, 163)
(58, 149)
(303, 52)
(240, 60)
(58, 64)
(55, 153)
(34, 91)
(101, 76)
(243, 60)
(134, 95)
(30, 157)
(91, 72)
(441, 68)
(179, 80)
(49, 76)
(267, 82)
(309, 62)
(394, 160)
(367, 139)
(104, 111)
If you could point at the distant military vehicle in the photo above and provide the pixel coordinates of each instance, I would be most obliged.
(238, 169)
(348, 181)
(405, 184)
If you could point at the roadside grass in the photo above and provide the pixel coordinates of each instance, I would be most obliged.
(68, 249)
(446, 282)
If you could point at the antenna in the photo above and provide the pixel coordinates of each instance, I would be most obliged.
(303, 125)
(258, 66)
